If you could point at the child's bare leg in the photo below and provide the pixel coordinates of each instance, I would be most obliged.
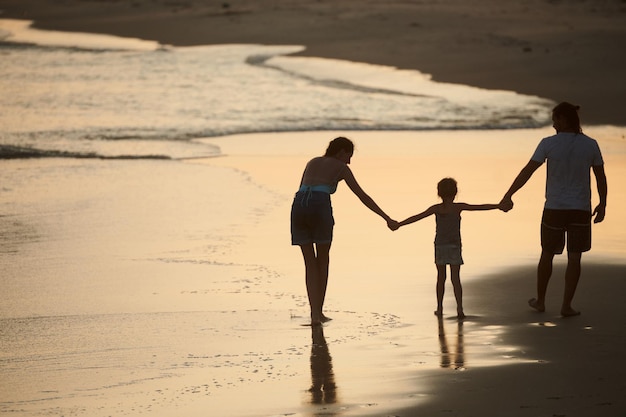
(441, 288)
(455, 277)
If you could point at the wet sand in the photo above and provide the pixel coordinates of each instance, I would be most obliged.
(552, 49)
(170, 287)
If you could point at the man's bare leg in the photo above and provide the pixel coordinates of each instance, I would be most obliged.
(544, 272)
(572, 275)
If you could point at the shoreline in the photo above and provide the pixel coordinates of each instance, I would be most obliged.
(516, 47)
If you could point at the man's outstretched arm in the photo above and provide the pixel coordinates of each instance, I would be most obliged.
(521, 180)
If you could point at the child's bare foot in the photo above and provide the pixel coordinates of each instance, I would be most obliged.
(533, 303)
(570, 312)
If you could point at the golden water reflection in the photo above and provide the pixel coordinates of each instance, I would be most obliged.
(323, 387)
(451, 358)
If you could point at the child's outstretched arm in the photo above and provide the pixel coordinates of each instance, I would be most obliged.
(478, 207)
(420, 216)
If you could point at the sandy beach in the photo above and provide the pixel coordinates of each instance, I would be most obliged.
(506, 359)
(169, 287)
(199, 306)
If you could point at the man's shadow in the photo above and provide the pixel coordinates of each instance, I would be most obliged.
(323, 388)
(449, 359)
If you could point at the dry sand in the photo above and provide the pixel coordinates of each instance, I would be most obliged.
(561, 50)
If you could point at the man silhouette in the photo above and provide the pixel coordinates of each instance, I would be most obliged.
(570, 156)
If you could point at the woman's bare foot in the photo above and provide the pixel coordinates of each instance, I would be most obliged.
(533, 303)
(570, 312)
(316, 320)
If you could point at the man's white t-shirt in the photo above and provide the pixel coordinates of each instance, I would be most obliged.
(570, 157)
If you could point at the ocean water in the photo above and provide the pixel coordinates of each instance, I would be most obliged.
(81, 95)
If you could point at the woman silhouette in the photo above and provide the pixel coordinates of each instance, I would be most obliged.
(312, 216)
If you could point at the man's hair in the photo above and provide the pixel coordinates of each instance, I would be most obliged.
(569, 112)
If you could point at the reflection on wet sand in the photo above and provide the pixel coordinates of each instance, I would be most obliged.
(448, 359)
(323, 388)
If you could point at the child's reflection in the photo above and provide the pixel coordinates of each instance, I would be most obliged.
(323, 389)
(446, 356)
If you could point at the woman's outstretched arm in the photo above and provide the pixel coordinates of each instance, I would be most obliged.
(368, 201)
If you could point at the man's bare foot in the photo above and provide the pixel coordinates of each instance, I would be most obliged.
(533, 303)
(325, 318)
(439, 312)
(460, 314)
(570, 312)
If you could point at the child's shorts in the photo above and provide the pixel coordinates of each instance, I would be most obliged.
(448, 255)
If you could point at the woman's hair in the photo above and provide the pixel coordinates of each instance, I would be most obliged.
(569, 112)
(447, 188)
(339, 144)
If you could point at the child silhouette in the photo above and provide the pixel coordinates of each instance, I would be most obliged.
(448, 239)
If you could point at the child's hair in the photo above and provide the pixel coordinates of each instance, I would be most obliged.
(447, 188)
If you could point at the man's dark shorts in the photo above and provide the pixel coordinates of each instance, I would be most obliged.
(556, 224)
(311, 218)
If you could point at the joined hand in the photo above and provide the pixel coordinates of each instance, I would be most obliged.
(506, 204)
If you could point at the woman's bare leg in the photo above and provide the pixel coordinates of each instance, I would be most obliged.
(316, 261)
(323, 261)
(312, 282)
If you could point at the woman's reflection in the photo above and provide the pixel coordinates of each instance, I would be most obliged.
(446, 356)
(323, 389)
